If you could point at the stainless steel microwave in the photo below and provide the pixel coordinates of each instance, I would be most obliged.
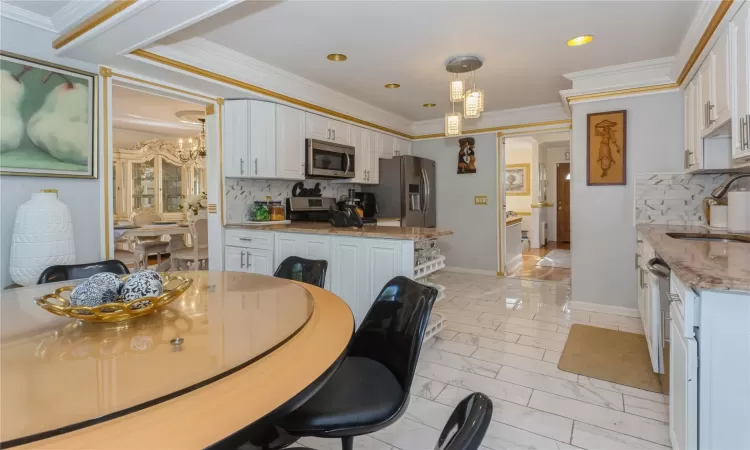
(328, 160)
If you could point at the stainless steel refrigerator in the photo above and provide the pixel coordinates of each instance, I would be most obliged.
(406, 190)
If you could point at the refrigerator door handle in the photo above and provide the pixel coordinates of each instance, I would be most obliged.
(427, 193)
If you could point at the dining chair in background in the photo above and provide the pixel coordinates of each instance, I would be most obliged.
(53, 274)
(196, 256)
(310, 271)
(143, 246)
(370, 389)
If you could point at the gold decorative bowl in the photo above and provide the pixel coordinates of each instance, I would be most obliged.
(116, 311)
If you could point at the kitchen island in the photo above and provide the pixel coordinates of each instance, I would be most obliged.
(360, 260)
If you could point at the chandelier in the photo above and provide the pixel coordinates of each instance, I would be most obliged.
(473, 98)
(195, 149)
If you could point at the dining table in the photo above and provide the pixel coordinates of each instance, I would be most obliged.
(175, 231)
(233, 350)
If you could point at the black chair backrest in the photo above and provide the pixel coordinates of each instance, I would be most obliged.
(53, 274)
(393, 330)
(467, 425)
(310, 271)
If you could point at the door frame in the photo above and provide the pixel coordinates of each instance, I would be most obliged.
(518, 131)
(214, 129)
(557, 199)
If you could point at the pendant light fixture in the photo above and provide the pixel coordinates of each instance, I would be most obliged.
(457, 89)
(473, 98)
(453, 123)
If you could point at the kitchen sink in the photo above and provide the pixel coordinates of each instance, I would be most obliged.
(710, 237)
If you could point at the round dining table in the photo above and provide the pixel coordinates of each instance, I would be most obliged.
(232, 351)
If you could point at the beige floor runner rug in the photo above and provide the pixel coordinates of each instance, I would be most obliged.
(609, 355)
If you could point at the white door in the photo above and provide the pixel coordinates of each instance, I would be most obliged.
(260, 261)
(317, 127)
(315, 247)
(370, 139)
(290, 143)
(236, 123)
(340, 132)
(285, 245)
(383, 263)
(705, 92)
(740, 44)
(262, 139)
(683, 386)
(348, 273)
(235, 259)
(361, 158)
(386, 144)
(689, 124)
(721, 111)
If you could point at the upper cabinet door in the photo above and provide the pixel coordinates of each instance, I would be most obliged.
(340, 132)
(262, 139)
(740, 79)
(361, 160)
(402, 147)
(317, 127)
(386, 145)
(290, 143)
(236, 146)
(705, 92)
(370, 139)
(721, 111)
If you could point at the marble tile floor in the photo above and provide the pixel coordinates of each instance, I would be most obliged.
(503, 337)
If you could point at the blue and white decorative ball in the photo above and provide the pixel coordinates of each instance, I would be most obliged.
(92, 294)
(142, 284)
(108, 279)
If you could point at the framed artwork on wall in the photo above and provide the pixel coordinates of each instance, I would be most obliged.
(517, 179)
(467, 159)
(606, 148)
(49, 115)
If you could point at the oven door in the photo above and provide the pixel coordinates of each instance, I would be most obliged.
(329, 160)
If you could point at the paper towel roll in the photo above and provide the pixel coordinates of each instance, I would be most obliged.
(739, 212)
(718, 216)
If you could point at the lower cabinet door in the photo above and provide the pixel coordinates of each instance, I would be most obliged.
(260, 261)
(235, 259)
(683, 386)
(285, 246)
(383, 263)
(349, 273)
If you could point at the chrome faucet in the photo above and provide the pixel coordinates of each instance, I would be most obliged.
(721, 191)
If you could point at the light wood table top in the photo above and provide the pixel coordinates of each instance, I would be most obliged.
(155, 230)
(251, 344)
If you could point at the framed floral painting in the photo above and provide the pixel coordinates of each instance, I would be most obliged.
(49, 115)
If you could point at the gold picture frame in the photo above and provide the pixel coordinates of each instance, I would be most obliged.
(518, 179)
(606, 148)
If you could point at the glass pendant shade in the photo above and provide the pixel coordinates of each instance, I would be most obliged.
(457, 91)
(453, 124)
(480, 94)
(471, 105)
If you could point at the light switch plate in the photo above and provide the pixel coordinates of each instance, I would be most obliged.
(480, 199)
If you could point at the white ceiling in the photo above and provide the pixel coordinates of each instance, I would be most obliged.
(522, 43)
(141, 111)
(45, 8)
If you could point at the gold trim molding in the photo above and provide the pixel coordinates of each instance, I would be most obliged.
(259, 90)
(621, 92)
(523, 213)
(502, 128)
(105, 157)
(513, 221)
(541, 205)
(92, 22)
(210, 109)
(713, 24)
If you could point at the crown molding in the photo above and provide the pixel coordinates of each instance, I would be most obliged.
(571, 96)
(653, 71)
(13, 12)
(74, 12)
(238, 70)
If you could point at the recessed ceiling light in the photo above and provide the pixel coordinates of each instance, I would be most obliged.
(580, 40)
(338, 57)
(392, 86)
(429, 105)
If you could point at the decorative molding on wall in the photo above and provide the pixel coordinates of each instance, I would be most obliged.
(607, 309)
(13, 12)
(92, 21)
(654, 71)
(74, 12)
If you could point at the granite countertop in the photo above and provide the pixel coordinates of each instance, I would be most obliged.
(701, 264)
(369, 231)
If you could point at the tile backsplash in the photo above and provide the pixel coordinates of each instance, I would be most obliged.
(241, 193)
(673, 199)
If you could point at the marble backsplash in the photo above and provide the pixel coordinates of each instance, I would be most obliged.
(673, 199)
(241, 193)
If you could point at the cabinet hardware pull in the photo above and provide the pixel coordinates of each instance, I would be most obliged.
(637, 258)
(242, 166)
(674, 298)
(747, 134)
(246, 239)
(329, 133)
(242, 260)
(334, 134)
(256, 166)
(710, 120)
(247, 260)
(685, 160)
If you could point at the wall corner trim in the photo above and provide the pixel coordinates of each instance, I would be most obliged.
(606, 309)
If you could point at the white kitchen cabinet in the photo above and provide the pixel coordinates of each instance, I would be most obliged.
(308, 246)
(370, 139)
(250, 260)
(383, 264)
(262, 139)
(740, 83)
(683, 385)
(714, 93)
(693, 156)
(236, 145)
(386, 145)
(349, 274)
(366, 165)
(234, 259)
(401, 147)
(325, 129)
(290, 143)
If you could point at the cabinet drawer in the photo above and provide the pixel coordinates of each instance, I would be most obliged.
(685, 302)
(262, 240)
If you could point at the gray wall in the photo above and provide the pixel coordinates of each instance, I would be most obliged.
(81, 196)
(474, 244)
(603, 236)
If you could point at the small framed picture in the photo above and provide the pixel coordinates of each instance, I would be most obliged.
(567, 156)
(606, 148)
(517, 181)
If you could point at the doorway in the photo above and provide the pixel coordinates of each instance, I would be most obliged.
(535, 187)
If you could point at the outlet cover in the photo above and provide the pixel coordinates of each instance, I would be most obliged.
(480, 199)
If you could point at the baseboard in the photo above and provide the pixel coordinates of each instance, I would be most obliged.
(607, 309)
(473, 271)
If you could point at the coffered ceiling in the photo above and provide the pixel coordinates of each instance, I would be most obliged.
(522, 43)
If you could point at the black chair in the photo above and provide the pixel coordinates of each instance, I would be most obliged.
(53, 274)
(467, 425)
(310, 271)
(370, 390)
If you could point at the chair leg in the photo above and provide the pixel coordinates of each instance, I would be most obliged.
(347, 443)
